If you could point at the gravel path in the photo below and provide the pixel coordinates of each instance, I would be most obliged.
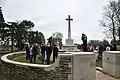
(101, 76)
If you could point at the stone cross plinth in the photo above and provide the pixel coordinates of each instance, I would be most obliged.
(69, 41)
(70, 47)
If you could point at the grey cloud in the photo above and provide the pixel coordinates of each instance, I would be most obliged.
(49, 15)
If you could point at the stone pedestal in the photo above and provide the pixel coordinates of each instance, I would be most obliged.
(69, 41)
(84, 66)
(111, 63)
(70, 48)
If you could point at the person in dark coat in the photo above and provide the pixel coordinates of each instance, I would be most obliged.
(84, 39)
(114, 47)
(48, 53)
(111, 47)
(55, 53)
(31, 53)
(43, 53)
(35, 52)
(27, 52)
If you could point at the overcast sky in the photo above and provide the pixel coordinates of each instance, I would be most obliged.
(49, 16)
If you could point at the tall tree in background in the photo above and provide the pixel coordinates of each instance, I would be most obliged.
(57, 39)
(1, 16)
(2, 26)
(36, 37)
(15, 31)
(1, 22)
(110, 19)
(118, 18)
(20, 31)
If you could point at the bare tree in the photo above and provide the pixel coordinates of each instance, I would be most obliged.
(110, 19)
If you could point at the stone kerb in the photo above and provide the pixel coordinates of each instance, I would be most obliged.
(60, 70)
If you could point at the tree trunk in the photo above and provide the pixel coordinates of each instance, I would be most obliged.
(119, 33)
(12, 41)
(114, 38)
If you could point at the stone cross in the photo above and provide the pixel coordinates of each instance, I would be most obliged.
(69, 27)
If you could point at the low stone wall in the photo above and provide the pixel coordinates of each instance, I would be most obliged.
(68, 66)
(1, 54)
(60, 70)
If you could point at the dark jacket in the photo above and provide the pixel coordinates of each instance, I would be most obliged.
(48, 50)
(42, 49)
(27, 50)
(55, 50)
(35, 50)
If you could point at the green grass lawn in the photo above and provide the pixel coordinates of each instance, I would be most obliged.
(118, 47)
(23, 59)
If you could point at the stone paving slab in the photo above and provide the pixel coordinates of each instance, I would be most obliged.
(102, 76)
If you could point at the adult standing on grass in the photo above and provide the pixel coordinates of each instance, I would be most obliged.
(55, 53)
(35, 52)
(114, 47)
(48, 53)
(31, 53)
(43, 53)
(27, 52)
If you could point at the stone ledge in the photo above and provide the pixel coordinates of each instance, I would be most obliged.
(112, 52)
(83, 53)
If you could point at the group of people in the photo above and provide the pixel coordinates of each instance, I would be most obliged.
(111, 47)
(47, 50)
(31, 51)
(108, 47)
(85, 47)
(44, 50)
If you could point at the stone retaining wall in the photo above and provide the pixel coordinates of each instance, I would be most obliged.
(68, 66)
(60, 70)
(1, 54)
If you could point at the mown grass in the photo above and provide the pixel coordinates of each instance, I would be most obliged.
(23, 59)
(118, 47)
